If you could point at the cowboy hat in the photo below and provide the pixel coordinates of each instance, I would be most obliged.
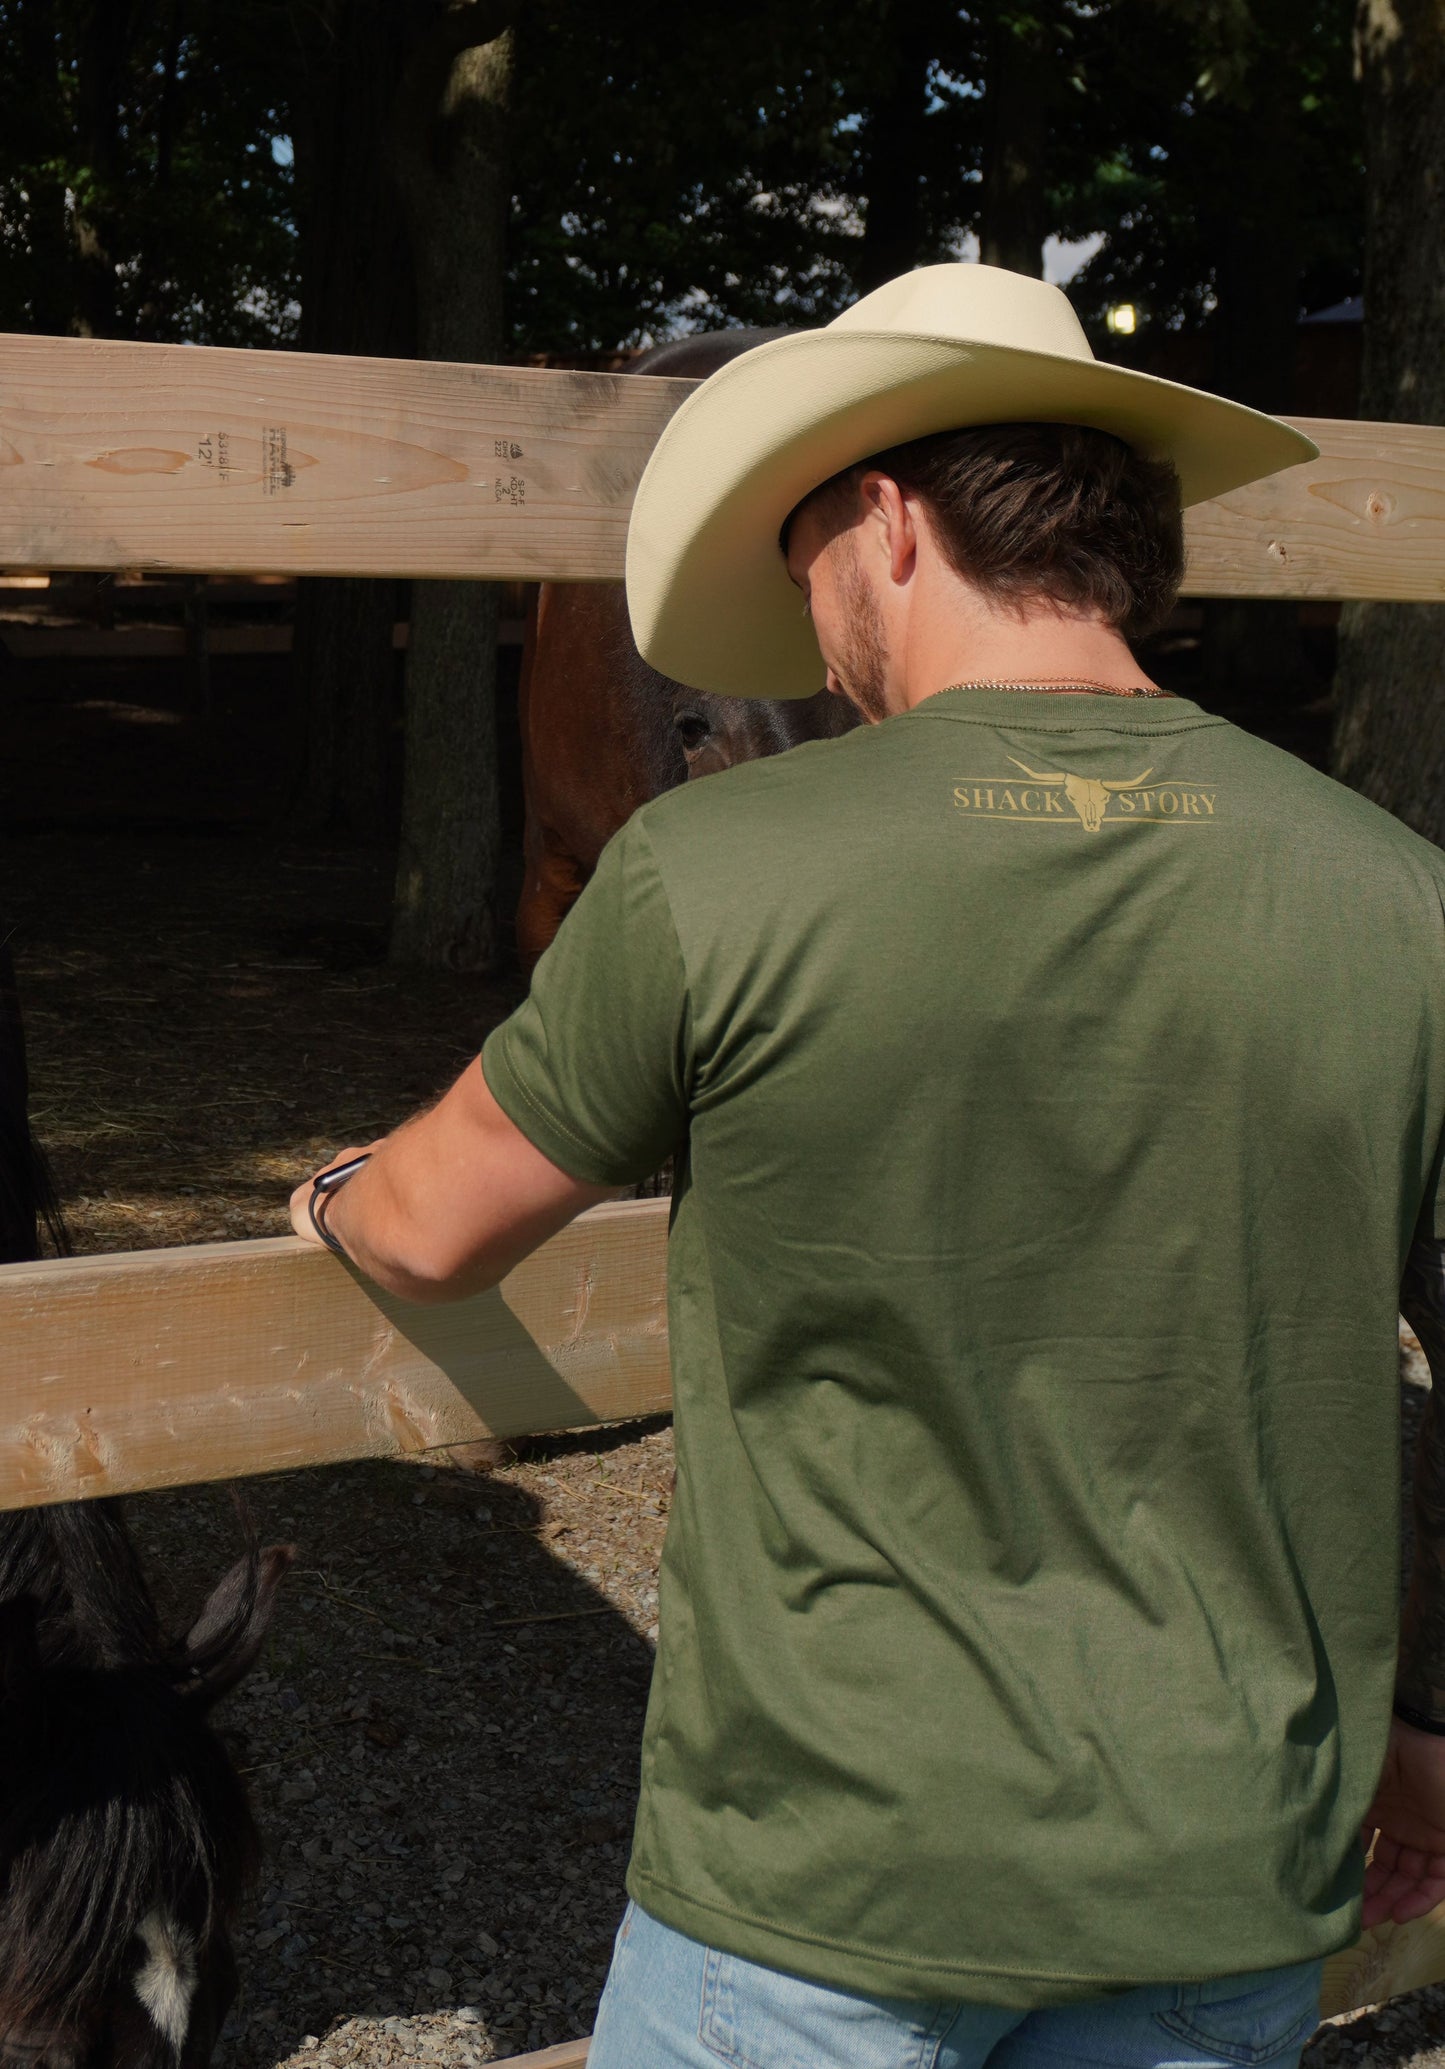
(938, 349)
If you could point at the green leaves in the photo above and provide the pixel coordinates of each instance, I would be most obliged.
(694, 165)
(139, 193)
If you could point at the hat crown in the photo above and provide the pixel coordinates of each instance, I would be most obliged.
(938, 350)
(977, 304)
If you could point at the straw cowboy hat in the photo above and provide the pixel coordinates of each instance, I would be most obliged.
(944, 347)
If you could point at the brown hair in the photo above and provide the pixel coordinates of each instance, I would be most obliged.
(1025, 511)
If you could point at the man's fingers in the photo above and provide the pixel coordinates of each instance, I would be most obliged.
(1402, 1901)
(1402, 1882)
(1417, 1902)
(301, 1214)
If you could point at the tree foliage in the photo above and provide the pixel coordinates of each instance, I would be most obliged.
(689, 168)
(680, 168)
(1390, 721)
(685, 168)
(1204, 127)
(673, 164)
(140, 193)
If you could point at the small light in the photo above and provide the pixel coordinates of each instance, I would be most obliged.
(1122, 319)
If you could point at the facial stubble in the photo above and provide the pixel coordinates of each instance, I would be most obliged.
(863, 650)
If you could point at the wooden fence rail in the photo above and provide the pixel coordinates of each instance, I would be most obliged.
(177, 458)
(161, 1368)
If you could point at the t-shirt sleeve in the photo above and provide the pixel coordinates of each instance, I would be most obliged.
(592, 1067)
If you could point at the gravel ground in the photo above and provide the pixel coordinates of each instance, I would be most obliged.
(441, 1743)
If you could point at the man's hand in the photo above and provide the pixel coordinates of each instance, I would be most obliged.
(301, 1199)
(1406, 1874)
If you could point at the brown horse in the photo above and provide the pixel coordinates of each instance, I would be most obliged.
(602, 732)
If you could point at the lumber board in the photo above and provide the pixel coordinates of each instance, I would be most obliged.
(162, 1368)
(572, 2054)
(143, 642)
(1385, 1962)
(213, 459)
(43, 642)
(209, 459)
(1365, 519)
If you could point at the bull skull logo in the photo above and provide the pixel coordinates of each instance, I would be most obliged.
(1089, 795)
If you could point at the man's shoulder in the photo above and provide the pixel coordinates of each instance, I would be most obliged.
(734, 801)
(1321, 804)
(737, 826)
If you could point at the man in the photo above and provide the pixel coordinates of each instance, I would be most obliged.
(1056, 1077)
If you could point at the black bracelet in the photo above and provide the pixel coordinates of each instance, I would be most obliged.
(1418, 1721)
(322, 1188)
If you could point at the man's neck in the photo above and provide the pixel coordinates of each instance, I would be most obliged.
(1041, 646)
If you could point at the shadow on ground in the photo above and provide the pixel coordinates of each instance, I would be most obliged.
(442, 1742)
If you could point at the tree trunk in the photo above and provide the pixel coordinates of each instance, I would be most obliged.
(451, 143)
(1390, 735)
(356, 297)
(345, 670)
(45, 146)
(101, 52)
(893, 158)
(1013, 219)
(1253, 661)
(102, 44)
(150, 302)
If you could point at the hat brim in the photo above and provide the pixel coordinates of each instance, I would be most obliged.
(707, 590)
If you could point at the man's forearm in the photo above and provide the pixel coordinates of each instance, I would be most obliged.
(403, 1222)
(450, 1202)
(372, 1224)
(1421, 1679)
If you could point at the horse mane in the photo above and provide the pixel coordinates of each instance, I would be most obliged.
(119, 1803)
(76, 1564)
(119, 1807)
(129, 1806)
(701, 352)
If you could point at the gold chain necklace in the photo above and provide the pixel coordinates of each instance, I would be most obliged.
(1067, 686)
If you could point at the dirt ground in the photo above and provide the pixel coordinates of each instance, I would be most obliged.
(442, 1738)
(457, 1673)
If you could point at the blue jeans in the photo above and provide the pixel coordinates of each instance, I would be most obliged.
(671, 2003)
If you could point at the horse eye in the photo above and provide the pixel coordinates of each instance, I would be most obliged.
(692, 730)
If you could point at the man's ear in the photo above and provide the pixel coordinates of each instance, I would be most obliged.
(222, 1644)
(891, 515)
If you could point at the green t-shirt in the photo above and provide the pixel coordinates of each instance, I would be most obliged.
(1056, 1083)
